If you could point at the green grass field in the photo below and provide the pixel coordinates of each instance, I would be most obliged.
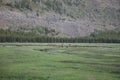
(36, 61)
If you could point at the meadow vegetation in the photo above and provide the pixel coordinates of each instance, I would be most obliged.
(58, 61)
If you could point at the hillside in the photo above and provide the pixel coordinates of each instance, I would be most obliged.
(71, 18)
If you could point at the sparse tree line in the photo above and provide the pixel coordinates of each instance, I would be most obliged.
(12, 36)
(55, 5)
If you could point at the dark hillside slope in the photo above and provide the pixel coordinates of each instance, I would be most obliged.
(71, 18)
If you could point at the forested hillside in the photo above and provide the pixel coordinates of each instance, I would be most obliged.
(67, 18)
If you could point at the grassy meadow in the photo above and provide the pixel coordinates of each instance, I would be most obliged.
(46, 61)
